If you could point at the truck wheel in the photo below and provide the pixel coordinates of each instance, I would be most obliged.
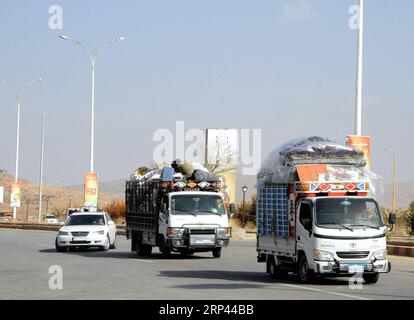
(58, 248)
(371, 278)
(304, 272)
(165, 249)
(113, 245)
(274, 270)
(142, 249)
(217, 252)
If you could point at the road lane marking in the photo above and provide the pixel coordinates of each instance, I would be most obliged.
(141, 260)
(345, 295)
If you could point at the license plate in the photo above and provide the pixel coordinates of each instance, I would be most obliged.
(356, 268)
(202, 240)
(79, 238)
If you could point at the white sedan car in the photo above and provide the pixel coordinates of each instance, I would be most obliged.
(87, 229)
(51, 219)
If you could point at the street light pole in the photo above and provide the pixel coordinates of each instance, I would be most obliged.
(394, 180)
(92, 58)
(360, 47)
(42, 149)
(244, 189)
(19, 93)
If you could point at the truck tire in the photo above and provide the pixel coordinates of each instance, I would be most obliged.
(371, 278)
(304, 273)
(274, 270)
(217, 253)
(165, 249)
(142, 249)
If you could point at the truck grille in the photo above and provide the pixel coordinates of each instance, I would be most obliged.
(80, 233)
(202, 231)
(352, 254)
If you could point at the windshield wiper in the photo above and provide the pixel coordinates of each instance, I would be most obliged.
(186, 211)
(215, 213)
(366, 226)
(339, 224)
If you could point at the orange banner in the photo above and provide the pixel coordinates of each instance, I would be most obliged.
(91, 189)
(362, 143)
(15, 195)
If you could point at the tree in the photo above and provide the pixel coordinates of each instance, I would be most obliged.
(220, 158)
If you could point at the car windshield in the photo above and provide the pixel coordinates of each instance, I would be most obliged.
(86, 220)
(348, 212)
(50, 217)
(197, 205)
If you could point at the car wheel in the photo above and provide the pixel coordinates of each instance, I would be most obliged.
(113, 245)
(371, 278)
(304, 272)
(59, 248)
(142, 249)
(107, 244)
(217, 253)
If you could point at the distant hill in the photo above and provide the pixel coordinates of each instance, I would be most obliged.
(55, 198)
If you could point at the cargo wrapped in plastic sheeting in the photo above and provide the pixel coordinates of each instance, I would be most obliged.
(319, 150)
(342, 163)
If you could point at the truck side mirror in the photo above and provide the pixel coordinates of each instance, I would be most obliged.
(164, 207)
(392, 218)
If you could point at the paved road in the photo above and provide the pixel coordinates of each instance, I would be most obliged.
(26, 256)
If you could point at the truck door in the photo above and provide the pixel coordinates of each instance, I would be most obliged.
(164, 216)
(304, 230)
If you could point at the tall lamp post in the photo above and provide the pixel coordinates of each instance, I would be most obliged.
(244, 189)
(394, 180)
(360, 51)
(19, 95)
(92, 57)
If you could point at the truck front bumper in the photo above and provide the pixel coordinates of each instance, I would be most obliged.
(349, 267)
(208, 243)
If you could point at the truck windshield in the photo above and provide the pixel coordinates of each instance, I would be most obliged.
(349, 213)
(197, 205)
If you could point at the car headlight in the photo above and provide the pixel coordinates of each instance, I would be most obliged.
(175, 232)
(63, 233)
(223, 232)
(100, 232)
(380, 255)
(323, 255)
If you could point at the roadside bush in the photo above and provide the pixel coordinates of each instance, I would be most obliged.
(116, 210)
(248, 216)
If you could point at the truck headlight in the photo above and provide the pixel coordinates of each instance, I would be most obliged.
(175, 232)
(223, 232)
(380, 255)
(100, 232)
(323, 255)
(63, 233)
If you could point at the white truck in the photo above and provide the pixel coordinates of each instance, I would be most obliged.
(317, 222)
(176, 215)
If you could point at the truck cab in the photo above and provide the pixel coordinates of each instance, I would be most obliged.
(193, 222)
(341, 236)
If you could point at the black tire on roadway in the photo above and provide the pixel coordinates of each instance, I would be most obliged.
(274, 270)
(107, 244)
(371, 278)
(304, 273)
(217, 253)
(164, 248)
(58, 248)
(113, 245)
(142, 249)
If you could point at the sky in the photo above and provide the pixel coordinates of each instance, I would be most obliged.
(286, 67)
